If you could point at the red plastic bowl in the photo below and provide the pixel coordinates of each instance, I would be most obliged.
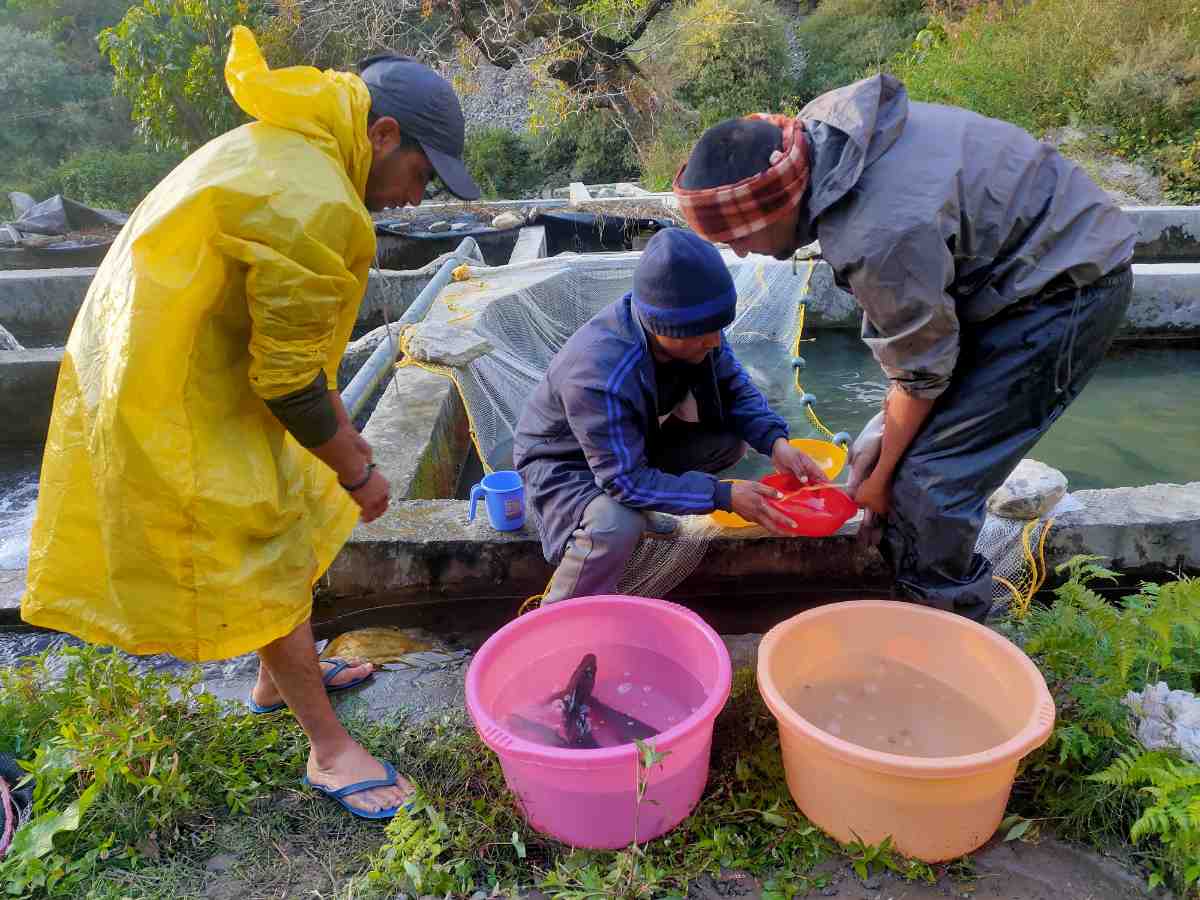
(818, 510)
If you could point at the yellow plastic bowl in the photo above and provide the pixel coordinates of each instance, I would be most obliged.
(933, 808)
(829, 456)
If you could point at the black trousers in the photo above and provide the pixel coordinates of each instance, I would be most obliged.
(1016, 374)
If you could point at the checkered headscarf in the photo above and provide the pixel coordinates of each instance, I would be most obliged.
(733, 211)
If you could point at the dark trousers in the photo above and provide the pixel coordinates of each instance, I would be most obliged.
(1016, 374)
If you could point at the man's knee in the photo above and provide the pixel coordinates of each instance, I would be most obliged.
(613, 525)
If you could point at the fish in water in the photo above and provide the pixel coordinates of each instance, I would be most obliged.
(587, 723)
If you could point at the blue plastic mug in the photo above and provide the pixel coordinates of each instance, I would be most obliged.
(505, 496)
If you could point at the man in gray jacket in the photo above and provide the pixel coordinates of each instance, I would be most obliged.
(993, 275)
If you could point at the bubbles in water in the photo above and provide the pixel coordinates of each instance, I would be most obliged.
(670, 718)
(646, 689)
(919, 685)
(842, 697)
(645, 703)
(870, 688)
(628, 675)
(629, 722)
(17, 507)
(871, 717)
(624, 687)
(834, 727)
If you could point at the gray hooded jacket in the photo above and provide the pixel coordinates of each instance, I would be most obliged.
(934, 216)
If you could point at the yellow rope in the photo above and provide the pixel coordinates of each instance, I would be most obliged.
(809, 410)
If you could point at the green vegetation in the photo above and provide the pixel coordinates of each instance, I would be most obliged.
(142, 781)
(1130, 68)
(1092, 780)
(845, 40)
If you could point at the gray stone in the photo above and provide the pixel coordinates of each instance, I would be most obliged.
(1031, 491)
(39, 305)
(1145, 532)
(419, 435)
(447, 345)
(438, 227)
(21, 203)
(12, 586)
(1166, 233)
(460, 226)
(7, 341)
(1164, 299)
(27, 382)
(507, 220)
(531, 244)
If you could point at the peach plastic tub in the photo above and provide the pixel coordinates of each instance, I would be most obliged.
(934, 808)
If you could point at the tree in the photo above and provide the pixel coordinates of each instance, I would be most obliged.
(168, 59)
(71, 24)
(593, 49)
(47, 106)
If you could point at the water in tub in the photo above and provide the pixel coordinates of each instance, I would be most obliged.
(886, 705)
(612, 695)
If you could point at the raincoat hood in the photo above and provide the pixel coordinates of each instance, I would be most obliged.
(871, 115)
(328, 108)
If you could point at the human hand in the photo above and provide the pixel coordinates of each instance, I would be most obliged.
(790, 461)
(875, 493)
(372, 497)
(749, 500)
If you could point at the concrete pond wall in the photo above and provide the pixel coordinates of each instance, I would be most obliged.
(423, 552)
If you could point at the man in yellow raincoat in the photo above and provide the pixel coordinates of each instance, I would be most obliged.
(200, 471)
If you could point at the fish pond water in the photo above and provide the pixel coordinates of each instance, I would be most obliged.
(634, 694)
(890, 707)
(1136, 423)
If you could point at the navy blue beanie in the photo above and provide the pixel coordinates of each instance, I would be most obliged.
(681, 287)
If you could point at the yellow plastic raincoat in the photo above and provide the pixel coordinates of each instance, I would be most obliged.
(175, 513)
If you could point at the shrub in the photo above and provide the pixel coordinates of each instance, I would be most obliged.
(1034, 64)
(845, 40)
(1088, 777)
(500, 162)
(727, 58)
(589, 146)
(116, 179)
(1153, 88)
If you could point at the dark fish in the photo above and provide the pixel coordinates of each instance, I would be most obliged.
(533, 731)
(575, 700)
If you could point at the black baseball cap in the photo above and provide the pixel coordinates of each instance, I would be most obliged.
(427, 110)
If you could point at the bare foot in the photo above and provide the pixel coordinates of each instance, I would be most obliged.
(265, 693)
(352, 764)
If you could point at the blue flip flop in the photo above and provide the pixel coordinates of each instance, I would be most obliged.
(341, 794)
(338, 666)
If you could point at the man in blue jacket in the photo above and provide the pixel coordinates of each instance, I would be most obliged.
(637, 411)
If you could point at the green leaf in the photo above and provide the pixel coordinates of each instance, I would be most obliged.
(36, 839)
(774, 819)
(1018, 831)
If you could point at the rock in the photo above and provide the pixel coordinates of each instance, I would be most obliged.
(7, 341)
(439, 227)
(1031, 491)
(507, 220)
(447, 345)
(460, 226)
(21, 203)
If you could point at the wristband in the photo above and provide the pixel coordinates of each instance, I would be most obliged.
(351, 488)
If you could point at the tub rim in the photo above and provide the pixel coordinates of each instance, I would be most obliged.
(1034, 733)
(508, 745)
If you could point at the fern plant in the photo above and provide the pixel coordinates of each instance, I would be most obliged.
(1172, 788)
(1092, 777)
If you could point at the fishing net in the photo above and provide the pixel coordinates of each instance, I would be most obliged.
(527, 312)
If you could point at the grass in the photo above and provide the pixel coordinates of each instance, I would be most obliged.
(147, 789)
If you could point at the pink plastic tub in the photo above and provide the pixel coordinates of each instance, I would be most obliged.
(656, 660)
